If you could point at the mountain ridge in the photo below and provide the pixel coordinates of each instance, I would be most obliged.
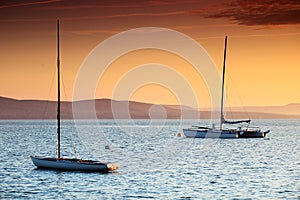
(109, 109)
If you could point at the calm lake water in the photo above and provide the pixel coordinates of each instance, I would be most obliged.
(154, 162)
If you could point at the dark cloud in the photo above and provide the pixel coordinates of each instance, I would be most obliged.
(255, 12)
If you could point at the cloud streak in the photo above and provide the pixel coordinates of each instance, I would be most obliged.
(88, 6)
(171, 2)
(29, 3)
(95, 17)
(255, 12)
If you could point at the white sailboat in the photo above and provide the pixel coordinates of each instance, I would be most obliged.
(60, 163)
(214, 132)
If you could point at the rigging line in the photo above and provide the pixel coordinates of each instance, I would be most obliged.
(63, 85)
(239, 96)
(69, 121)
(227, 101)
(45, 112)
(74, 139)
(63, 107)
(228, 109)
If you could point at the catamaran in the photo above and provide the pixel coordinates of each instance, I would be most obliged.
(241, 131)
(61, 163)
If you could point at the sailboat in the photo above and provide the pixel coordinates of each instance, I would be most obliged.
(68, 164)
(214, 132)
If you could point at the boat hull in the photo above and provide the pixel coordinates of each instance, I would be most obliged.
(196, 133)
(229, 134)
(73, 164)
(253, 134)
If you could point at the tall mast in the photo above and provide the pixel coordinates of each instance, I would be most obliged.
(223, 80)
(58, 94)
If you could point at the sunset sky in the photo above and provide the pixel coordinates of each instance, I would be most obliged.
(263, 54)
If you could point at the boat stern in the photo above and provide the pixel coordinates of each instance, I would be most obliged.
(112, 166)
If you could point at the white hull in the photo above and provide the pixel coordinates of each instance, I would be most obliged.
(233, 133)
(199, 133)
(73, 164)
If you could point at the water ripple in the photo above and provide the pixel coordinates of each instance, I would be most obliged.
(154, 163)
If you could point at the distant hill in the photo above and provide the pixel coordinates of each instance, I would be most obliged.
(109, 109)
(291, 110)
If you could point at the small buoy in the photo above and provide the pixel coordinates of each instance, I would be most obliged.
(179, 135)
(107, 147)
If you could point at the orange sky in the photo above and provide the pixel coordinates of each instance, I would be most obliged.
(263, 62)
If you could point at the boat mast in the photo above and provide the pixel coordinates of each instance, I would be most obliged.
(223, 80)
(58, 94)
